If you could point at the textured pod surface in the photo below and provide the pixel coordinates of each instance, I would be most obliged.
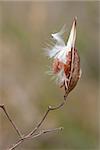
(75, 74)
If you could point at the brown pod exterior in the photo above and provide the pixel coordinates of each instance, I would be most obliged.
(75, 74)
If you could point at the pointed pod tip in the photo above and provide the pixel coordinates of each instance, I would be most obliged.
(75, 20)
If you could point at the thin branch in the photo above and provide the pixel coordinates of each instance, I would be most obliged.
(31, 134)
(50, 108)
(34, 136)
(11, 121)
(17, 144)
(45, 132)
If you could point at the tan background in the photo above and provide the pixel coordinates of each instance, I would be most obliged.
(25, 88)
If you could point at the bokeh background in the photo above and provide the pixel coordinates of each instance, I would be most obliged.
(26, 89)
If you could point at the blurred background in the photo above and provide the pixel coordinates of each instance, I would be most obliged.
(26, 89)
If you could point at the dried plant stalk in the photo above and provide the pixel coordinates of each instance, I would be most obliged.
(66, 66)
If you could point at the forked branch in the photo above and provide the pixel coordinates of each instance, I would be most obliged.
(35, 132)
(33, 136)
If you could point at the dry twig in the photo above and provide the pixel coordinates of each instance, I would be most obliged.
(11, 121)
(32, 133)
(34, 136)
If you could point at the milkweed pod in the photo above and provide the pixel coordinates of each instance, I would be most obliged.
(65, 59)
